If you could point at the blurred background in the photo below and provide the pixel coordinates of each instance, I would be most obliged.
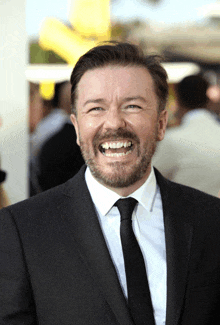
(40, 42)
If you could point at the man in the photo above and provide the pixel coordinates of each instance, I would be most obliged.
(56, 113)
(54, 117)
(62, 253)
(60, 158)
(213, 93)
(4, 200)
(190, 153)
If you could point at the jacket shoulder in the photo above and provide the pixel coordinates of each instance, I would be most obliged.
(178, 193)
(48, 201)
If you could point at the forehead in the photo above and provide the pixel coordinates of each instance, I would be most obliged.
(111, 78)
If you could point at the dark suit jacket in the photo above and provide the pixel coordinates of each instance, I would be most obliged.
(56, 268)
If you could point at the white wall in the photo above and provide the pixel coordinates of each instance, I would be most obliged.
(13, 98)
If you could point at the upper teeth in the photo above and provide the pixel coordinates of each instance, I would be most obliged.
(116, 145)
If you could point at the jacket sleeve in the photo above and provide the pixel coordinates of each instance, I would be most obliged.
(16, 301)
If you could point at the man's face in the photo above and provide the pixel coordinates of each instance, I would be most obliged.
(118, 124)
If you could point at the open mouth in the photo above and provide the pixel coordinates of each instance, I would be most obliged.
(116, 148)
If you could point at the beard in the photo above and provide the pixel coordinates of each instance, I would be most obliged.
(121, 175)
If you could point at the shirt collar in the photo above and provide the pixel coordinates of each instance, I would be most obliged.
(105, 198)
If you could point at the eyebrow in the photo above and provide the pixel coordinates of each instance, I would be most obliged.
(98, 100)
(102, 100)
(128, 99)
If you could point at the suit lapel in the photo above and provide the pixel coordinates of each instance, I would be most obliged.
(84, 225)
(178, 234)
(87, 232)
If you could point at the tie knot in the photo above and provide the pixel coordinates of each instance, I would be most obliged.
(126, 207)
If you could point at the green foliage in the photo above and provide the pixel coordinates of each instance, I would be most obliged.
(38, 55)
(119, 31)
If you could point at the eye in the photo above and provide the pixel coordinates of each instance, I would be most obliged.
(95, 109)
(133, 107)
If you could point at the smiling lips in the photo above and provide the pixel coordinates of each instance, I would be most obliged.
(116, 148)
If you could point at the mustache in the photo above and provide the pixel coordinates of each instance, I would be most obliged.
(114, 135)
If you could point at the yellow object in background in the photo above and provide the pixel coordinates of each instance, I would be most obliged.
(47, 90)
(91, 18)
(63, 40)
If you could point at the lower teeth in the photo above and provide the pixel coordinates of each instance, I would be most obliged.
(117, 154)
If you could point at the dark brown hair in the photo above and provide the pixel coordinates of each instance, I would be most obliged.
(121, 54)
(191, 92)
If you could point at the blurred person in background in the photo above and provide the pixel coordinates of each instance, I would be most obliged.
(213, 93)
(4, 200)
(60, 157)
(35, 107)
(53, 118)
(55, 115)
(190, 153)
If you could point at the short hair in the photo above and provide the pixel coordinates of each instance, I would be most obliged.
(57, 91)
(121, 54)
(191, 92)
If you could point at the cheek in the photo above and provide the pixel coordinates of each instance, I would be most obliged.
(87, 131)
(144, 128)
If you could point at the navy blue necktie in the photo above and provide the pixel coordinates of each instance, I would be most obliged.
(139, 299)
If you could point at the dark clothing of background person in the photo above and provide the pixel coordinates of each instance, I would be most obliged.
(60, 158)
(2, 176)
(4, 200)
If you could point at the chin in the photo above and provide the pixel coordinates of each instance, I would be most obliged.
(119, 176)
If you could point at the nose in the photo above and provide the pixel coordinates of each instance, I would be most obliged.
(115, 119)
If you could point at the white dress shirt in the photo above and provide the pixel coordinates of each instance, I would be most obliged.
(148, 226)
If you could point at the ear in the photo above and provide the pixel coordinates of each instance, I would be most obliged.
(162, 124)
(75, 124)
